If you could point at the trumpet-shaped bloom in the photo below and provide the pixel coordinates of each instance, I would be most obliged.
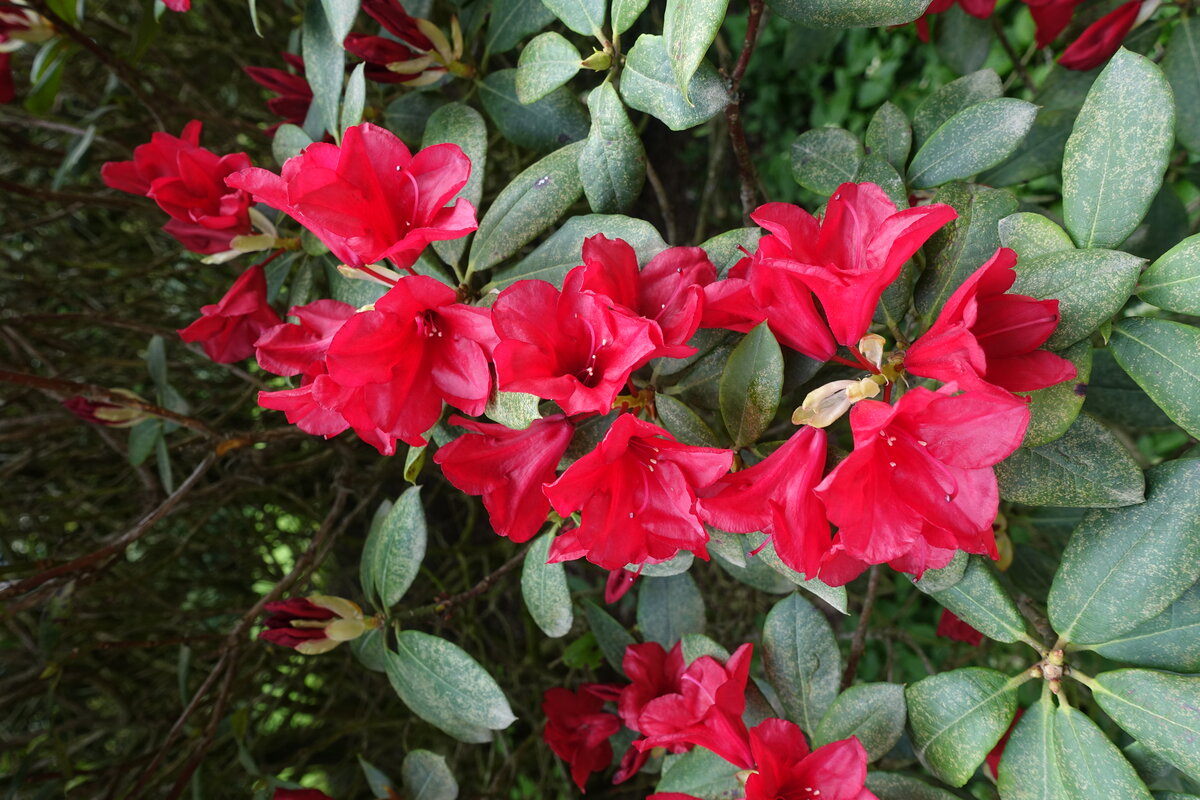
(786, 770)
(228, 329)
(577, 730)
(370, 198)
(300, 349)
(1102, 38)
(637, 496)
(294, 93)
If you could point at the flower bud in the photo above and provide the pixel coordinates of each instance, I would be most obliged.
(315, 624)
(825, 405)
(99, 412)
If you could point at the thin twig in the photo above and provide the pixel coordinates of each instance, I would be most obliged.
(859, 643)
(733, 114)
(664, 203)
(1018, 65)
(444, 606)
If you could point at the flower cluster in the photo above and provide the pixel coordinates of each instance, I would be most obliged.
(675, 706)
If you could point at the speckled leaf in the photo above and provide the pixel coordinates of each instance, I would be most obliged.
(1169, 641)
(394, 550)
(289, 141)
(1173, 280)
(1182, 68)
(531, 203)
(407, 116)
(889, 135)
(679, 563)
(1029, 768)
(849, 13)
(1114, 397)
(1087, 467)
(889, 786)
(625, 13)
(977, 598)
(355, 97)
(1160, 709)
(545, 64)
(516, 410)
(753, 572)
(555, 120)
(1090, 765)
(963, 245)
(1164, 358)
(544, 587)
(1032, 235)
(689, 28)
(582, 16)
(612, 163)
(952, 98)
(971, 141)
(1118, 151)
(874, 712)
(957, 717)
(694, 645)
(464, 126)
(648, 84)
(1124, 566)
(610, 634)
(700, 773)
(324, 61)
(764, 551)
(426, 777)
(1054, 409)
(938, 580)
(556, 256)
(371, 650)
(1090, 286)
(751, 385)
(1040, 153)
(668, 608)
(802, 660)
(825, 158)
(962, 40)
(444, 686)
(683, 423)
(513, 20)
(875, 169)
(725, 249)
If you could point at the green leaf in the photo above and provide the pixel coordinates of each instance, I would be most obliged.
(874, 712)
(1160, 709)
(888, 786)
(889, 135)
(1169, 641)
(142, 438)
(971, 141)
(513, 20)
(937, 580)
(648, 84)
(377, 781)
(1090, 765)
(156, 362)
(1118, 151)
(956, 719)
(582, 16)
(694, 645)
(394, 550)
(875, 169)
(700, 773)
(426, 777)
(625, 13)
(725, 249)
(324, 61)
(978, 599)
(1090, 286)
(561, 252)
(414, 460)
(751, 386)
(1164, 358)
(289, 141)
(1054, 409)
(341, 14)
(516, 410)
(464, 126)
(1029, 768)
(683, 423)
(444, 686)
(679, 563)
(407, 116)
(531, 203)
(849, 13)
(555, 120)
(962, 40)
(1087, 467)
(610, 635)
(1114, 397)
(689, 28)
(1040, 153)
(764, 551)
(1032, 235)
(544, 587)
(546, 63)
(825, 158)
(802, 660)
(1172, 282)
(354, 291)
(355, 97)
(1124, 566)
(952, 98)
(668, 608)
(371, 650)
(1182, 68)
(612, 163)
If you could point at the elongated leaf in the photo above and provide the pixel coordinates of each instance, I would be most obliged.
(323, 67)
(680, 563)
(340, 14)
(394, 550)
(513, 20)
(1029, 768)
(971, 141)
(1115, 397)
(1040, 152)
(889, 135)
(825, 158)
(874, 712)
(1173, 280)
(668, 608)
(648, 84)
(544, 587)
(952, 98)
(290, 140)
(371, 650)
(1182, 68)
(725, 249)
(1118, 151)
(1089, 764)
(582, 16)
(546, 63)
(802, 660)
(962, 40)
(531, 203)
(889, 786)
(683, 423)
(694, 645)
(406, 117)
(849, 14)
(1032, 235)
(1124, 566)
(751, 385)
(1160, 709)
(956, 719)
(625, 13)
(426, 777)
(1087, 467)
(978, 598)
(938, 580)
(689, 28)
(464, 126)
(700, 773)
(1053, 410)
(444, 686)
(612, 163)
(377, 780)
(764, 550)
(553, 121)
(1164, 358)
(355, 97)
(1169, 641)
(875, 169)
(610, 634)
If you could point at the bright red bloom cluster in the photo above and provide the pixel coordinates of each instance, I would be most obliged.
(228, 329)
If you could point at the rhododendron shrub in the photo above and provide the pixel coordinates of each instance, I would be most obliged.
(677, 400)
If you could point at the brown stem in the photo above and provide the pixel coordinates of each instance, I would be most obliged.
(733, 114)
(1018, 64)
(21, 190)
(859, 643)
(664, 203)
(444, 606)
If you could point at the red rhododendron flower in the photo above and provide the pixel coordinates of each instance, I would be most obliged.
(188, 182)
(508, 468)
(294, 93)
(370, 199)
(997, 753)
(786, 770)
(379, 51)
(573, 347)
(985, 335)
(976, 8)
(178, 5)
(668, 291)
(1050, 17)
(705, 712)
(315, 624)
(18, 27)
(299, 794)
(775, 496)
(577, 730)
(919, 484)
(1102, 38)
(227, 330)
(951, 627)
(637, 493)
(652, 672)
(853, 254)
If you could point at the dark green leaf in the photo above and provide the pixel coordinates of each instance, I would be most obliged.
(625, 13)
(394, 550)
(888, 786)
(464, 126)
(725, 249)
(426, 777)
(764, 551)
(546, 63)
(585, 17)
(377, 781)
(694, 645)
(356, 291)
(355, 98)
(612, 164)
(937, 580)
(1164, 358)
(142, 438)
(874, 712)
(668, 608)
(889, 135)
(689, 28)
(289, 141)
(751, 385)
(974, 139)
(610, 634)
(802, 660)
(1173, 281)
(1040, 153)
(1182, 68)
(555, 120)
(978, 599)
(324, 61)
(1114, 397)
(544, 587)
(825, 158)
(648, 84)
(700, 773)
(875, 169)
(952, 98)
(1169, 641)
(1029, 768)
(962, 40)
(683, 423)
(681, 562)
(513, 20)
(1091, 766)
(848, 13)
(1160, 709)
(1032, 235)
(407, 116)
(1054, 409)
